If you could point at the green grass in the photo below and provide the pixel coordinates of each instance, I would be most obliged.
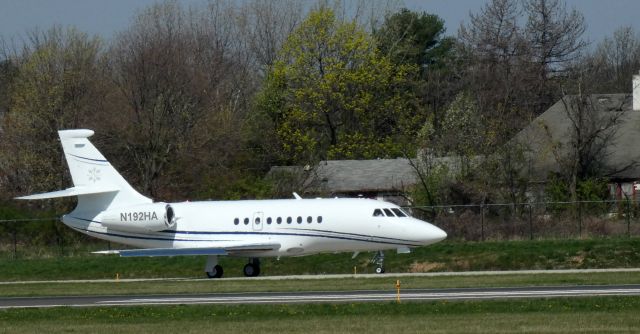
(385, 282)
(575, 315)
(445, 256)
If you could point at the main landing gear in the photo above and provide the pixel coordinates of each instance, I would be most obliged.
(214, 270)
(252, 269)
(378, 259)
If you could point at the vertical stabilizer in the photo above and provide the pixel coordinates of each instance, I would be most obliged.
(90, 170)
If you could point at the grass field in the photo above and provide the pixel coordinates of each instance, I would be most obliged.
(445, 256)
(561, 315)
(576, 315)
(384, 282)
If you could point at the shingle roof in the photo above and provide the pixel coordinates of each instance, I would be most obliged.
(341, 176)
(622, 152)
(348, 176)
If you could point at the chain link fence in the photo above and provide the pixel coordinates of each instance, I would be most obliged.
(542, 220)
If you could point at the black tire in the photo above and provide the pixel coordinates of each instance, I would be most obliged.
(251, 270)
(380, 270)
(216, 273)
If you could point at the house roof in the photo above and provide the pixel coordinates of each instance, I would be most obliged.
(349, 176)
(341, 176)
(553, 129)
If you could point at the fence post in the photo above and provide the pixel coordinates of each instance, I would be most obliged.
(482, 222)
(530, 222)
(579, 219)
(628, 216)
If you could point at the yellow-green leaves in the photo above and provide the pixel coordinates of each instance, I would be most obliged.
(332, 95)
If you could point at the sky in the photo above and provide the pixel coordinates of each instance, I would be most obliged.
(107, 17)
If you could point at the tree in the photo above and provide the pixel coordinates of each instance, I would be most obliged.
(496, 70)
(554, 37)
(616, 59)
(56, 87)
(516, 72)
(591, 134)
(411, 38)
(182, 92)
(555, 34)
(408, 37)
(325, 101)
(266, 25)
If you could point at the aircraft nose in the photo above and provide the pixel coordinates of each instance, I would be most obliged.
(431, 234)
(439, 234)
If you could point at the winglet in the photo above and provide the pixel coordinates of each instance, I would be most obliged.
(295, 194)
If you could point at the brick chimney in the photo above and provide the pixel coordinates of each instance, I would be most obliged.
(636, 91)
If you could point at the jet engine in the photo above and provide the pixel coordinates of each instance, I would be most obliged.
(140, 218)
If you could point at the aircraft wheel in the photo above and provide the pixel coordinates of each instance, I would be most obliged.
(216, 272)
(251, 270)
(379, 270)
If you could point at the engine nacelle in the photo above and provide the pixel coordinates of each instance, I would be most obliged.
(140, 218)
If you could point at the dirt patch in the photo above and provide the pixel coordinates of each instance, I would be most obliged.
(578, 259)
(423, 267)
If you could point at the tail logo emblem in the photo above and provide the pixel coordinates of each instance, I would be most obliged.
(94, 175)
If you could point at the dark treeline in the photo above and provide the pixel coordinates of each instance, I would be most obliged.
(199, 102)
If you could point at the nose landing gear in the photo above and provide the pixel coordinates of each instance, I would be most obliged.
(378, 259)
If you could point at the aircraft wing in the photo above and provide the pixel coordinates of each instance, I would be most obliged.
(236, 249)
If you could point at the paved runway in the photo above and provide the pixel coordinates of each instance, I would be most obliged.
(325, 297)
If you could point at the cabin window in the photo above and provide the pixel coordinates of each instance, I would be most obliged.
(388, 213)
(289, 220)
(279, 220)
(319, 219)
(269, 220)
(236, 221)
(299, 220)
(246, 221)
(398, 212)
(257, 220)
(378, 213)
(309, 219)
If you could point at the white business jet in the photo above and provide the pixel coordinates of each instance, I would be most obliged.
(110, 209)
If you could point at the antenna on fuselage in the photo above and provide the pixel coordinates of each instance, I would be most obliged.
(295, 194)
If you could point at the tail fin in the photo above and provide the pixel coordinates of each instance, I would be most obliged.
(96, 183)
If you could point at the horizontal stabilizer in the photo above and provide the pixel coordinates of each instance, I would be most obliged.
(192, 251)
(73, 191)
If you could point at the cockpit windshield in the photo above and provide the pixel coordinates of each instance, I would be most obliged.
(398, 212)
(390, 212)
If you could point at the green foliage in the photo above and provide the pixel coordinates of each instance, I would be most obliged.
(53, 90)
(591, 189)
(433, 188)
(332, 95)
(414, 38)
(251, 187)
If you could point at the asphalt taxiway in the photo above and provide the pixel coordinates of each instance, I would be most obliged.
(324, 297)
